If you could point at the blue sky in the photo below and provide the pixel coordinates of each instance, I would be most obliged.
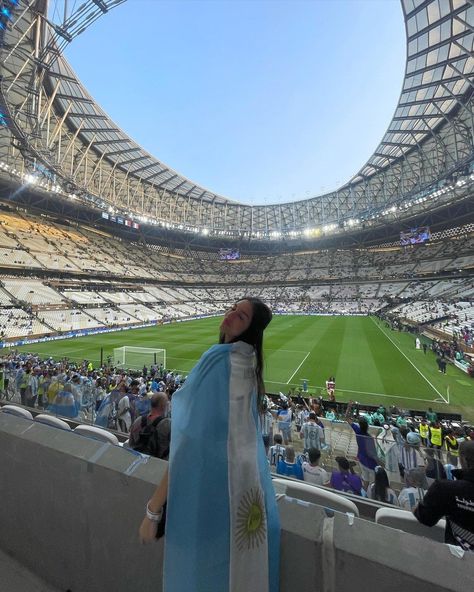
(259, 101)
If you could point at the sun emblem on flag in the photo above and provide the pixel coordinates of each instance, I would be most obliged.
(251, 523)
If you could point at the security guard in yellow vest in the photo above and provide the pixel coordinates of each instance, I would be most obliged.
(436, 436)
(452, 447)
(424, 432)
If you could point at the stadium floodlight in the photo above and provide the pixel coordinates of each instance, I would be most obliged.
(30, 179)
(129, 357)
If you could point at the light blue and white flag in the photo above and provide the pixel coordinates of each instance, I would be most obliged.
(222, 529)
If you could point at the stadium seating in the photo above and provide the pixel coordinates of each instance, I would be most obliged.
(15, 322)
(96, 434)
(67, 319)
(405, 521)
(52, 421)
(31, 291)
(17, 411)
(315, 495)
(84, 297)
(360, 281)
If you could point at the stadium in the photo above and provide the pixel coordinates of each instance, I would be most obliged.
(104, 247)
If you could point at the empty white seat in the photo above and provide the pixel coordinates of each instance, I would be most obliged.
(404, 520)
(96, 433)
(315, 495)
(18, 411)
(52, 421)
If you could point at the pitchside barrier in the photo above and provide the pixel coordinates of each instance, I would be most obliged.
(341, 407)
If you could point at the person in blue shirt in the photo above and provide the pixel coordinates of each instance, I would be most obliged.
(288, 467)
(143, 405)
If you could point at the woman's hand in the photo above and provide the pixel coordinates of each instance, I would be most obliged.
(148, 528)
(147, 531)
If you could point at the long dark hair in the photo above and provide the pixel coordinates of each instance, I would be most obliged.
(261, 317)
(381, 484)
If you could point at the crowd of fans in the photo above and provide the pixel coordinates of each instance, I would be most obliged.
(427, 468)
(395, 463)
(397, 459)
(108, 396)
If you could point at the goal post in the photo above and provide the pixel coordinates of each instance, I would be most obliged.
(136, 357)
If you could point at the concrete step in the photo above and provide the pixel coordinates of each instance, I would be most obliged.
(15, 577)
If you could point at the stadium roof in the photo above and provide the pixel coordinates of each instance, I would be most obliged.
(439, 69)
(95, 126)
(51, 127)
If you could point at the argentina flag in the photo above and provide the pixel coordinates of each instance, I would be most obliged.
(222, 528)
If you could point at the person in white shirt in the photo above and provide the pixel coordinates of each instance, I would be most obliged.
(123, 414)
(312, 433)
(277, 451)
(143, 387)
(312, 472)
(301, 417)
(284, 417)
(266, 426)
(415, 489)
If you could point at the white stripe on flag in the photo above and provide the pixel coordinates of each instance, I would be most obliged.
(248, 523)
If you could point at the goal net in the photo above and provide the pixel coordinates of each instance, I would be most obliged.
(137, 357)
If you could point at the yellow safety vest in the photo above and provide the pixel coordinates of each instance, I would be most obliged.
(436, 436)
(424, 430)
(452, 446)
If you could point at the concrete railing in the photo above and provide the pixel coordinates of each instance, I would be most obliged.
(70, 508)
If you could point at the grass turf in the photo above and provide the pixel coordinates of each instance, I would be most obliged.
(371, 363)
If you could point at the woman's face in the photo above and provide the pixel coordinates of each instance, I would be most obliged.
(236, 320)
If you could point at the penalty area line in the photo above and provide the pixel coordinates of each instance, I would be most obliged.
(304, 360)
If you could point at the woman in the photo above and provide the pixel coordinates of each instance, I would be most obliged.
(345, 479)
(222, 529)
(380, 489)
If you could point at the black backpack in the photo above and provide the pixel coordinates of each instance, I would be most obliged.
(149, 440)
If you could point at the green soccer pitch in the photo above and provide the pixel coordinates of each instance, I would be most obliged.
(371, 363)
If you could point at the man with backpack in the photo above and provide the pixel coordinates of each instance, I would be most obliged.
(151, 434)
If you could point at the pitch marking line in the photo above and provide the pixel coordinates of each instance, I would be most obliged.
(180, 358)
(407, 358)
(304, 360)
(389, 396)
(341, 390)
(288, 351)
